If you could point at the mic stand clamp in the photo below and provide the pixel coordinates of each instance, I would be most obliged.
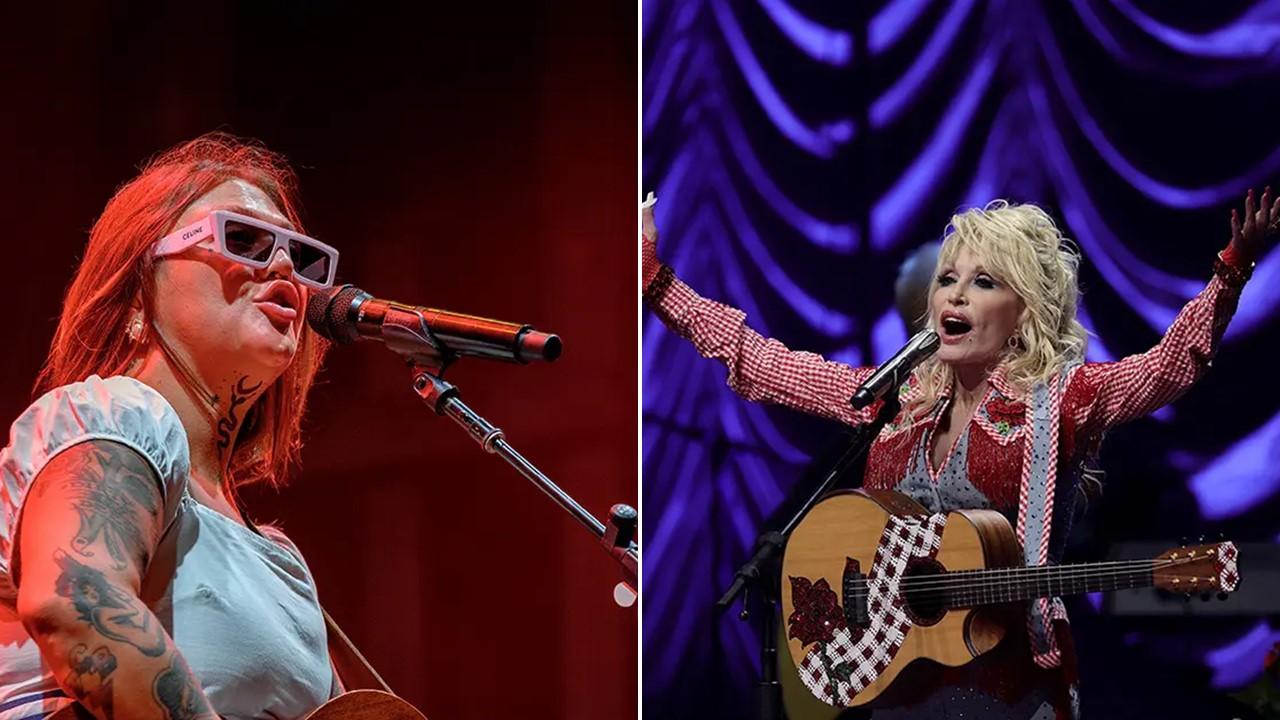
(761, 571)
(617, 539)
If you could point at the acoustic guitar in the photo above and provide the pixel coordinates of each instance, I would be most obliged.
(352, 705)
(871, 582)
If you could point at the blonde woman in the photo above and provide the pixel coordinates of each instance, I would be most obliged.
(131, 579)
(1002, 417)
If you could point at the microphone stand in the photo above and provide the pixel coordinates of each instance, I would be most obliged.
(762, 570)
(427, 358)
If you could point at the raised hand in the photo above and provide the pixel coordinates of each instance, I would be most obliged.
(1253, 237)
(648, 242)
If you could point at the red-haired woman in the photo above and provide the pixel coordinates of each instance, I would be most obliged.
(130, 579)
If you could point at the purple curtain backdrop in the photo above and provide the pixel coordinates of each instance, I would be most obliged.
(801, 149)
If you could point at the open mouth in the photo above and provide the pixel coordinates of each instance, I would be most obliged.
(954, 327)
(279, 302)
(280, 316)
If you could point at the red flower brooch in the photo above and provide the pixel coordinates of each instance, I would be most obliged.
(1006, 411)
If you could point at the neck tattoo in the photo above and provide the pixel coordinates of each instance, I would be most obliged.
(228, 423)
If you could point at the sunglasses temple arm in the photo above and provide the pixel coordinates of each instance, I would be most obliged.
(183, 238)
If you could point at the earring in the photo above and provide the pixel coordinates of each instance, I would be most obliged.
(1014, 342)
(135, 328)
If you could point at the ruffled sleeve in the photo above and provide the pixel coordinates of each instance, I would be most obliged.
(120, 409)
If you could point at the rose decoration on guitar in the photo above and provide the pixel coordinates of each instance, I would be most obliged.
(817, 615)
(816, 618)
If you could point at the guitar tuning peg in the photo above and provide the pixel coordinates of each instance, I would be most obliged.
(1202, 539)
(1222, 596)
(1182, 541)
(1187, 597)
(1205, 597)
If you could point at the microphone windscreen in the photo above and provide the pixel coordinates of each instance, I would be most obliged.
(534, 345)
(329, 313)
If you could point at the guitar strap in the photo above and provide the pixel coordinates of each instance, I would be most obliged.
(1035, 509)
(354, 671)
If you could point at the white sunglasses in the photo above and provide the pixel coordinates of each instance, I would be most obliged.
(252, 242)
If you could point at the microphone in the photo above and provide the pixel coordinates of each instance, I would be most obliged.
(894, 372)
(425, 335)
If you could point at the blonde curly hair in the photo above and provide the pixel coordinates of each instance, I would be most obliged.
(1021, 247)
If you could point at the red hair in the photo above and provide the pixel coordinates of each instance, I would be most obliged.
(117, 271)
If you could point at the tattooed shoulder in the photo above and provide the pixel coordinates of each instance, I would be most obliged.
(116, 495)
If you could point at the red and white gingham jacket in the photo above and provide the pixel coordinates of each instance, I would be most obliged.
(1097, 396)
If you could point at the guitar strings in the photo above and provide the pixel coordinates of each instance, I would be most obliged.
(977, 596)
(1041, 585)
(1023, 573)
(1033, 587)
(1004, 579)
(1027, 576)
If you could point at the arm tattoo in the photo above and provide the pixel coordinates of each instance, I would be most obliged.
(112, 485)
(90, 678)
(229, 422)
(177, 693)
(108, 609)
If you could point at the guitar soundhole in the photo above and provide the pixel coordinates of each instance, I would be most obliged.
(922, 596)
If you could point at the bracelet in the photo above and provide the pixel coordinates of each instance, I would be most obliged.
(660, 283)
(1232, 275)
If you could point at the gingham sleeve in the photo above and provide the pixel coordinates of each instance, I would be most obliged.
(760, 369)
(1108, 394)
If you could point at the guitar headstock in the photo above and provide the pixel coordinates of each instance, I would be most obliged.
(1198, 569)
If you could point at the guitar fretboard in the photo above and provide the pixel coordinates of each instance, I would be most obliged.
(971, 588)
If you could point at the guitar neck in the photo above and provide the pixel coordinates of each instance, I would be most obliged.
(971, 588)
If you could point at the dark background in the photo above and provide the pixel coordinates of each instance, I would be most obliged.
(801, 149)
(476, 157)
